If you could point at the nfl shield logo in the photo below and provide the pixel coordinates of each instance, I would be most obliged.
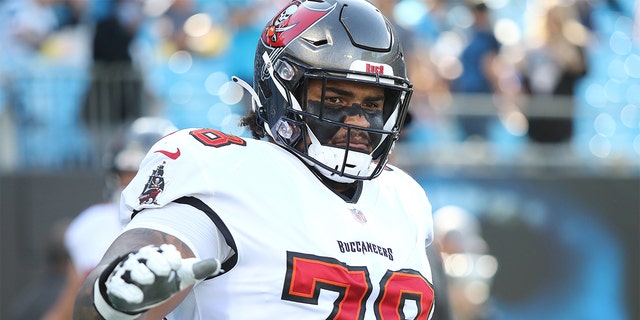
(358, 215)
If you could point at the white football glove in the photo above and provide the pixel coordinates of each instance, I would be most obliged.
(146, 278)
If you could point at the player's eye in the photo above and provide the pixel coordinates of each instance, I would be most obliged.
(334, 101)
(371, 106)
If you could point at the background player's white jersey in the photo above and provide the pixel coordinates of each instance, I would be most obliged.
(298, 250)
(90, 234)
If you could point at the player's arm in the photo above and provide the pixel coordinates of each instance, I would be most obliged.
(130, 259)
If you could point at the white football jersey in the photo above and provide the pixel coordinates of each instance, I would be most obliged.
(90, 234)
(298, 250)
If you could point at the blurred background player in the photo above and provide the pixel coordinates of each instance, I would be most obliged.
(467, 264)
(90, 233)
(40, 295)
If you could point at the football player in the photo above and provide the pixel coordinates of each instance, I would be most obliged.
(308, 221)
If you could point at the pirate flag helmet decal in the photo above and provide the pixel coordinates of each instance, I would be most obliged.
(292, 21)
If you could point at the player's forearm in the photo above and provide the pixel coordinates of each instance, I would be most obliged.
(83, 307)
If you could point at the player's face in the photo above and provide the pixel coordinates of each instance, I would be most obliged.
(354, 104)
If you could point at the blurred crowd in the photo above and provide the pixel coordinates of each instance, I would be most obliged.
(511, 73)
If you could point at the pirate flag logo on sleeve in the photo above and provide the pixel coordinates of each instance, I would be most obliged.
(154, 186)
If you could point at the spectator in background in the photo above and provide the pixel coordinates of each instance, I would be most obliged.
(90, 233)
(70, 12)
(26, 24)
(554, 62)
(427, 32)
(436, 21)
(478, 76)
(116, 92)
(171, 26)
